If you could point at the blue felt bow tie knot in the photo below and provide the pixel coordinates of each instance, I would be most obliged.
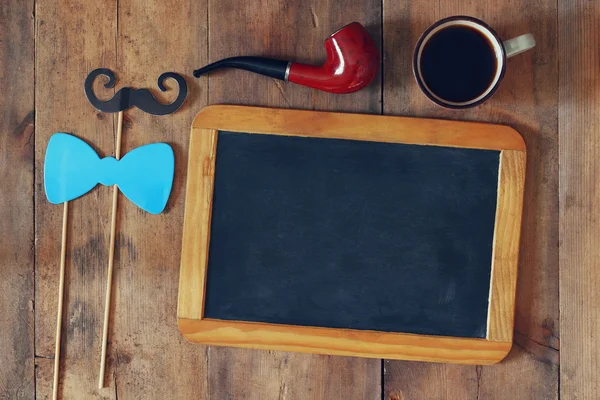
(144, 175)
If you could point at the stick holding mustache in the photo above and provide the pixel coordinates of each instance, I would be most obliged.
(125, 98)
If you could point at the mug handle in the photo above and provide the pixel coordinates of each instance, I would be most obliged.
(518, 45)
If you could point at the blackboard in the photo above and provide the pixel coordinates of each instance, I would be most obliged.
(348, 234)
(352, 234)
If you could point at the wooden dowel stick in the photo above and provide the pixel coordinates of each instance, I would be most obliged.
(111, 257)
(61, 291)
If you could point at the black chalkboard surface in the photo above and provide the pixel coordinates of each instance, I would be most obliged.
(351, 234)
(347, 234)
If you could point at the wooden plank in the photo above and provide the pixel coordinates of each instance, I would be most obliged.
(72, 38)
(526, 100)
(279, 375)
(372, 128)
(579, 130)
(344, 342)
(295, 31)
(445, 381)
(145, 347)
(16, 201)
(190, 303)
(505, 258)
(151, 360)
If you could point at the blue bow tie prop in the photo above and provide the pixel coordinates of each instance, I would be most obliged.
(144, 175)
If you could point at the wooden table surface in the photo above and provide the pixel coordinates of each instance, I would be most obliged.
(551, 95)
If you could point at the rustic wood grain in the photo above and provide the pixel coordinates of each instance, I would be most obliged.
(505, 254)
(72, 38)
(527, 100)
(75, 36)
(343, 342)
(196, 224)
(16, 200)
(259, 375)
(579, 132)
(374, 128)
(443, 381)
(147, 351)
(296, 31)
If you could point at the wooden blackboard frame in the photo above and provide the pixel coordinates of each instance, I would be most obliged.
(363, 343)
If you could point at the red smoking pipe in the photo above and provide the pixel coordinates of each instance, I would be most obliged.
(352, 63)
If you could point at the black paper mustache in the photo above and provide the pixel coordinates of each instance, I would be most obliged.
(127, 97)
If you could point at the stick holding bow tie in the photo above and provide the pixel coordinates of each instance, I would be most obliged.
(125, 98)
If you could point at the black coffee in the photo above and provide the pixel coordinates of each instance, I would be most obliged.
(458, 64)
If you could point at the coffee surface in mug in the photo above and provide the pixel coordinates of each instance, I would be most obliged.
(458, 64)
